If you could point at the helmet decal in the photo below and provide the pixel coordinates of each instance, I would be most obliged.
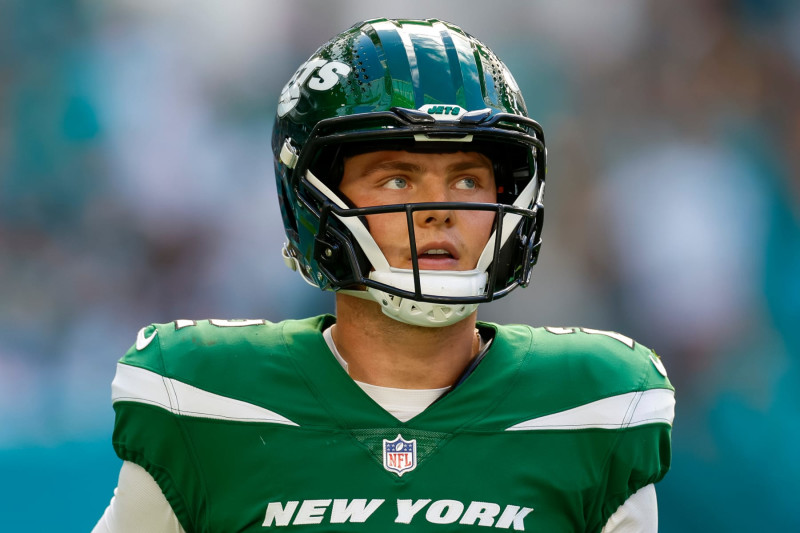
(318, 74)
(443, 112)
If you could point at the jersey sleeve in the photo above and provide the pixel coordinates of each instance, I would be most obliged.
(146, 432)
(642, 453)
(612, 395)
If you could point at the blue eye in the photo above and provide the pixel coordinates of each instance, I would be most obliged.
(396, 183)
(467, 183)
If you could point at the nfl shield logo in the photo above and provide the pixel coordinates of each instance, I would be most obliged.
(399, 455)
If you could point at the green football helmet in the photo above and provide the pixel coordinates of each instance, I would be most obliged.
(414, 85)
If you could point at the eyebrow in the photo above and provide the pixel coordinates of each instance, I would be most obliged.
(391, 165)
(413, 167)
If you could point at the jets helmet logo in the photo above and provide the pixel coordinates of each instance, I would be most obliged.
(443, 112)
(399, 455)
(320, 75)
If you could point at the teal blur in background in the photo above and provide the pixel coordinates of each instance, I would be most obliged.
(136, 186)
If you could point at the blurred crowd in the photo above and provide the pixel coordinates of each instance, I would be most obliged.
(136, 186)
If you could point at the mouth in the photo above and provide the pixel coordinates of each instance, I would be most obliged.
(436, 252)
(437, 256)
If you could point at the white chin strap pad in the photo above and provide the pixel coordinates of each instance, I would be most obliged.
(421, 313)
(433, 283)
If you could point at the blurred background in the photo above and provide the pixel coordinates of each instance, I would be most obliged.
(136, 186)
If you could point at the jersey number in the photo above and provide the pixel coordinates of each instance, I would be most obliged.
(627, 341)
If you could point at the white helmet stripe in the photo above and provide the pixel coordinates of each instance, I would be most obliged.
(356, 227)
(510, 222)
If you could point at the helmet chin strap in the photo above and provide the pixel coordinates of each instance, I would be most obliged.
(413, 312)
(432, 282)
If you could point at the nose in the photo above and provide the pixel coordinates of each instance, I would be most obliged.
(444, 217)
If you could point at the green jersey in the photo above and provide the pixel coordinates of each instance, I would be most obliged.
(255, 426)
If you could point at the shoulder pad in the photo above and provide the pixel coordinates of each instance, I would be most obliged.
(179, 339)
(605, 350)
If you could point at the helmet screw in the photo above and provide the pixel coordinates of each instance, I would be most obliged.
(328, 252)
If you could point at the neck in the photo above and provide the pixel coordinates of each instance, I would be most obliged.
(382, 351)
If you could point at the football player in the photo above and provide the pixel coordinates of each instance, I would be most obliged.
(410, 182)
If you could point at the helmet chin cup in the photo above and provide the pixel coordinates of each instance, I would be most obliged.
(423, 314)
(469, 283)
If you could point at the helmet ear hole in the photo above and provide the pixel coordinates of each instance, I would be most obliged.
(513, 169)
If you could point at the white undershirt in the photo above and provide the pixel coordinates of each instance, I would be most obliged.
(403, 404)
(139, 505)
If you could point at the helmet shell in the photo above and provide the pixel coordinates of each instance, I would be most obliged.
(380, 64)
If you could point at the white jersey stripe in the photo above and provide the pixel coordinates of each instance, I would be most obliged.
(134, 384)
(616, 412)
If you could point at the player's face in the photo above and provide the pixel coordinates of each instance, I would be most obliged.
(447, 239)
